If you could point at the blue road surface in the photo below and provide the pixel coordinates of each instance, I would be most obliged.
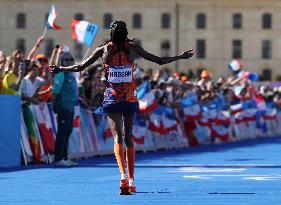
(247, 172)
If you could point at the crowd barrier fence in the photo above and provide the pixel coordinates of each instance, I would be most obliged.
(163, 128)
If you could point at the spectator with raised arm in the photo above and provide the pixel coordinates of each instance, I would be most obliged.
(64, 99)
(31, 83)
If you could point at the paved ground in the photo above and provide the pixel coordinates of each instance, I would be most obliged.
(247, 172)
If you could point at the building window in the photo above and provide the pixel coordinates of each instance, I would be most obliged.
(21, 20)
(137, 21)
(266, 49)
(266, 74)
(165, 48)
(166, 20)
(49, 46)
(266, 21)
(237, 20)
(201, 49)
(107, 19)
(20, 44)
(79, 16)
(78, 50)
(237, 49)
(201, 20)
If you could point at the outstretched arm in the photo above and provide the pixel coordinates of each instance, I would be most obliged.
(160, 60)
(35, 47)
(79, 67)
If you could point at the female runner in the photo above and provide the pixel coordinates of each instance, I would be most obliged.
(120, 99)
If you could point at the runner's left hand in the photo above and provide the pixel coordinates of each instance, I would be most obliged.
(55, 69)
(187, 54)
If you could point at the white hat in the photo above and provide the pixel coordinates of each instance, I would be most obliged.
(235, 65)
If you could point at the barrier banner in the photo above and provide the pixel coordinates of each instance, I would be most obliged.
(10, 130)
(165, 127)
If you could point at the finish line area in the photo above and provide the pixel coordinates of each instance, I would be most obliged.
(247, 172)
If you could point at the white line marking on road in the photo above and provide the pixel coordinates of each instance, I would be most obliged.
(203, 169)
(264, 178)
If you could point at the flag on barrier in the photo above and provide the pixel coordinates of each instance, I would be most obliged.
(146, 97)
(139, 131)
(45, 127)
(30, 123)
(169, 120)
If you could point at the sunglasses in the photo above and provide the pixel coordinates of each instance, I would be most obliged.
(42, 60)
(68, 59)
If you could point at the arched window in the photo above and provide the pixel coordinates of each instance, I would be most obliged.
(266, 74)
(21, 20)
(237, 49)
(166, 20)
(266, 49)
(201, 20)
(79, 16)
(266, 21)
(201, 48)
(165, 48)
(237, 20)
(137, 23)
(107, 19)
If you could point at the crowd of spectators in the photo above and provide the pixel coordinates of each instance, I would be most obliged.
(29, 76)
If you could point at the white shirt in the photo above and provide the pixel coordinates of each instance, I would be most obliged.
(28, 87)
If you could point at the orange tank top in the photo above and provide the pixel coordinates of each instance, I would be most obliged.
(120, 84)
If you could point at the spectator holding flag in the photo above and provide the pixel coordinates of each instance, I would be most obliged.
(120, 99)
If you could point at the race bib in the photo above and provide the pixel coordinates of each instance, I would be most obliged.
(120, 74)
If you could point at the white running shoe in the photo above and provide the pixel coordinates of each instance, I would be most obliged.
(72, 163)
(62, 163)
(132, 186)
(124, 176)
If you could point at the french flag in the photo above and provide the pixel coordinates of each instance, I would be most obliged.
(84, 32)
(156, 122)
(270, 114)
(139, 131)
(220, 132)
(146, 97)
(260, 102)
(223, 118)
(191, 109)
(169, 120)
(192, 112)
(51, 21)
(236, 108)
(45, 127)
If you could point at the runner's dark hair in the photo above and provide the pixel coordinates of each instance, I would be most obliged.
(119, 36)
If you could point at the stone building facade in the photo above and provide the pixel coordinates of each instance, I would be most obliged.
(219, 30)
